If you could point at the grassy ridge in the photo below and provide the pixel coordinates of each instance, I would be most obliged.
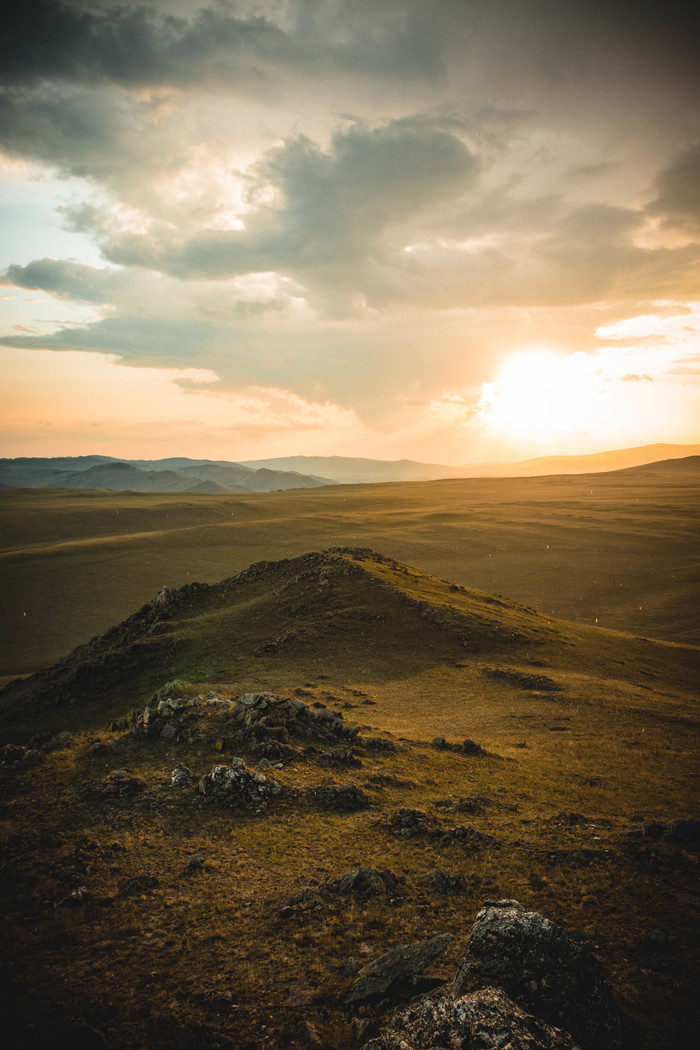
(587, 732)
(618, 549)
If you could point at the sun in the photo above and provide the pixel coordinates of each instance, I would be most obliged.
(539, 396)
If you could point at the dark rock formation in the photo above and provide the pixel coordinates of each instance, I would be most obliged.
(484, 1020)
(545, 971)
(238, 787)
(397, 970)
(363, 884)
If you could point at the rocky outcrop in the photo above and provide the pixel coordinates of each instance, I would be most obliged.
(266, 715)
(238, 787)
(523, 984)
(545, 971)
(397, 971)
(412, 823)
(483, 1020)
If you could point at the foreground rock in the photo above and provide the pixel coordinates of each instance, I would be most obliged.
(483, 1020)
(398, 970)
(545, 971)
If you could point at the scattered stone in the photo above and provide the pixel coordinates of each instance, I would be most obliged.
(545, 971)
(236, 786)
(195, 864)
(64, 739)
(522, 679)
(398, 970)
(341, 798)
(470, 747)
(410, 823)
(98, 747)
(407, 823)
(138, 884)
(80, 895)
(181, 776)
(484, 1020)
(467, 747)
(120, 784)
(443, 883)
(363, 884)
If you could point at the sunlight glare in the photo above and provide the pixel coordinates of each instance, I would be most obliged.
(539, 395)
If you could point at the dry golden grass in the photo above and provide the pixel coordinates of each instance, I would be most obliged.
(619, 548)
(612, 738)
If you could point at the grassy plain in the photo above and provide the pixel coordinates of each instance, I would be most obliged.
(617, 549)
(587, 732)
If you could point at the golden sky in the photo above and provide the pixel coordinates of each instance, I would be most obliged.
(452, 231)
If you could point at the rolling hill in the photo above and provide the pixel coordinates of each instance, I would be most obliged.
(240, 794)
(354, 471)
(169, 475)
(619, 549)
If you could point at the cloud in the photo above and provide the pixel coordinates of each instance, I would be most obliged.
(65, 279)
(137, 46)
(678, 187)
(318, 215)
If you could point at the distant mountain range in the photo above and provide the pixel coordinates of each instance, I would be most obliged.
(352, 471)
(160, 475)
(180, 474)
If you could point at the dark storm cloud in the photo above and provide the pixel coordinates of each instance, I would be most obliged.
(64, 279)
(137, 46)
(678, 186)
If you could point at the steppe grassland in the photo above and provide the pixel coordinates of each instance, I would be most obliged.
(615, 549)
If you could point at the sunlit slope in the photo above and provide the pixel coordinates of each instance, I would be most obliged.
(350, 615)
(617, 549)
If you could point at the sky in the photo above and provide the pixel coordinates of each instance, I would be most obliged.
(458, 231)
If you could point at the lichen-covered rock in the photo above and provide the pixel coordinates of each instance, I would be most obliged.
(236, 786)
(181, 776)
(397, 970)
(266, 715)
(545, 971)
(484, 1020)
